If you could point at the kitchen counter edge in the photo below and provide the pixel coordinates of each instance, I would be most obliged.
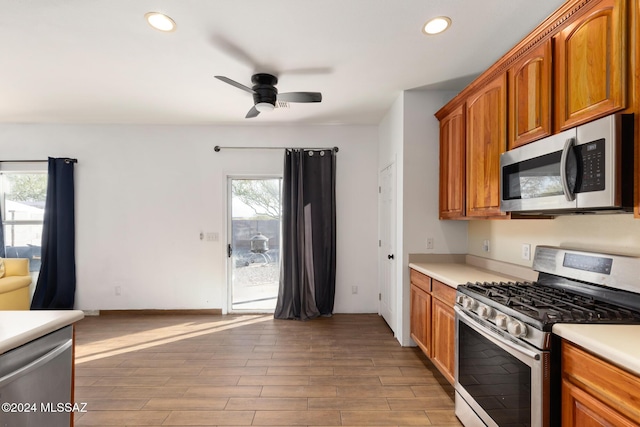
(613, 343)
(473, 269)
(20, 327)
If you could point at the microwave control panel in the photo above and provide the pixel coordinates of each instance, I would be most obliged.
(592, 158)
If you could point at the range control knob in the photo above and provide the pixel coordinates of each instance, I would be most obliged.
(485, 312)
(516, 328)
(501, 320)
(469, 303)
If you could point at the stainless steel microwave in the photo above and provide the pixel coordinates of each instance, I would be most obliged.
(588, 168)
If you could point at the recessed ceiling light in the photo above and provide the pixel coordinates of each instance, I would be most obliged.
(160, 21)
(436, 25)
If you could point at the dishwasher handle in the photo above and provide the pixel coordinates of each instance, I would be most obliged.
(43, 360)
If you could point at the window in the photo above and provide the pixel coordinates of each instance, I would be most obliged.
(23, 189)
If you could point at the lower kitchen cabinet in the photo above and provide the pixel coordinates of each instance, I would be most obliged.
(595, 392)
(433, 322)
(421, 316)
(444, 338)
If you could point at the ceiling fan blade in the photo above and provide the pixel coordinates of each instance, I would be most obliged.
(300, 97)
(235, 83)
(253, 112)
(236, 52)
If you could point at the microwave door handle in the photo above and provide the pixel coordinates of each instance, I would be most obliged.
(566, 151)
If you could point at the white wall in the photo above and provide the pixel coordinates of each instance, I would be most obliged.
(144, 194)
(410, 132)
(618, 233)
(421, 190)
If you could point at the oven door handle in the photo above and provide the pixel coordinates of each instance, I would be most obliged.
(472, 324)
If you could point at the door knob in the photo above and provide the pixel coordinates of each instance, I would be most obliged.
(390, 256)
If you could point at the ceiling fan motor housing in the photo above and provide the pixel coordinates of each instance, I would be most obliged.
(264, 88)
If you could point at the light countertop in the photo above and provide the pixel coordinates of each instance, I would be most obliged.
(454, 274)
(617, 344)
(20, 327)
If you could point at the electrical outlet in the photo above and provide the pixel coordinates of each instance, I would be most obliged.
(354, 290)
(526, 251)
(118, 290)
(485, 246)
(429, 242)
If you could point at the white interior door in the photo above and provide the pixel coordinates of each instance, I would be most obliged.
(386, 253)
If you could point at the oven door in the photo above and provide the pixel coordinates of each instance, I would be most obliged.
(498, 381)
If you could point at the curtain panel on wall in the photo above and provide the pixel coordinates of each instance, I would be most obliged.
(308, 261)
(56, 284)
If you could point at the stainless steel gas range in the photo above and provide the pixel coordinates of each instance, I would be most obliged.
(507, 360)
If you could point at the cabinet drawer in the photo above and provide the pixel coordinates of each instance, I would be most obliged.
(420, 280)
(609, 384)
(443, 292)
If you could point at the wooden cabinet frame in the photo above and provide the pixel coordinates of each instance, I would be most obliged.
(614, 28)
(432, 321)
(595, 392)
(452, 203)
(486, 115)
(529, 88)
(590, 65)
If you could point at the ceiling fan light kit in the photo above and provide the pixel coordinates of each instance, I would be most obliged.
(265, 94)
(264, 107)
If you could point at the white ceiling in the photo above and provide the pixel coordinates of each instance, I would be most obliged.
(98, 61)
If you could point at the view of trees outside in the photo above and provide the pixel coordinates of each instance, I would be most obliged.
(29, 188)
(24, 196)
(260, 195)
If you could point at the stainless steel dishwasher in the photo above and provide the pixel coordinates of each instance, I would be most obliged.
(35, 379)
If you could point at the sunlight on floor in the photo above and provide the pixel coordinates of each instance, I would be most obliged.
(139, 341)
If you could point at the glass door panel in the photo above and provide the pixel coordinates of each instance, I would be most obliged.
(254, 243)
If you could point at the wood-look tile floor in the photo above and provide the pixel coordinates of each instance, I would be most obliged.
(253, 370)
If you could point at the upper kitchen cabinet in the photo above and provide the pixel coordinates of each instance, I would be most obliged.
(590, 64)
(579, 64)
(452, 164)
(486, 129)
(530, 96)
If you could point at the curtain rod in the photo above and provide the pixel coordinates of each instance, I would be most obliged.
(36, 161)
(217, 148)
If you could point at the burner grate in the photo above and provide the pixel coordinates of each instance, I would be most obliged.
(551, 305)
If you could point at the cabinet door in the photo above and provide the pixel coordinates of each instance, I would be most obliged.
(486, 140)
(443, 339)
(594, 388)
(530, 97)
(590, 64)
(452, 165)
(579, 409)
(420, 319)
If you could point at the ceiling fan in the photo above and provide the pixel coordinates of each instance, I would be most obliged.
(265, 93)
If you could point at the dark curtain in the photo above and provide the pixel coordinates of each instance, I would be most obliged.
(308, 261)
(56, 285)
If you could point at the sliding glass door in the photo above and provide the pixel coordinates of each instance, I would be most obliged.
(253, 248)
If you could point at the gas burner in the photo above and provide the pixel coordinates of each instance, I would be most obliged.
(545, 304)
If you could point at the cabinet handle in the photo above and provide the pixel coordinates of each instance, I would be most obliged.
(390, 256)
